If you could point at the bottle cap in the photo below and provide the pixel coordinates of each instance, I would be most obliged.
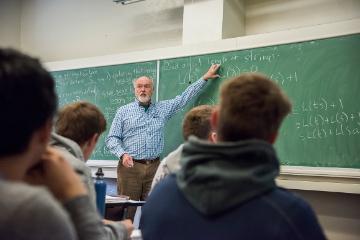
(99, 172)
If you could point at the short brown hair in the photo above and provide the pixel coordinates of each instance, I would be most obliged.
(197, 122)
(79, 121)
(251, 106)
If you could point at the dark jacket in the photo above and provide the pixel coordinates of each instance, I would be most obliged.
(227, 191)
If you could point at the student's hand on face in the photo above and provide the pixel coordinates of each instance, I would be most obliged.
(54, 172)
(127, 161)
(34, 176)
(212, 72)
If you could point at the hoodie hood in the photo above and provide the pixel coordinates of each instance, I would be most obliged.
(217, 177)
(71, 151)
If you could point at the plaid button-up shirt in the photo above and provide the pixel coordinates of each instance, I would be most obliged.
(140, 133)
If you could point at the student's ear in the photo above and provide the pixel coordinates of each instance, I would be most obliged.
(213, 137)
(95, 138)
(45, 132)
(273, 137)
(91, 143)
(89, 146)
(214, 118)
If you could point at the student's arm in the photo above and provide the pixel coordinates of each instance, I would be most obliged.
(85, 218)
(54, 172)
(57, 175)
(82, 170)
(40, 216)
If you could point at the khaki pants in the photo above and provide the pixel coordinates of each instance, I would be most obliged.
(135, 182)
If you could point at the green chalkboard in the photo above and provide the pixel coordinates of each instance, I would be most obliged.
(108, 87)
(322, 77)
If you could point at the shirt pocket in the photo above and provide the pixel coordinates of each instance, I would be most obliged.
(156, 124)
(131, 123)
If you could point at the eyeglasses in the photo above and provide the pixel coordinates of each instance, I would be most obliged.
(144, 86)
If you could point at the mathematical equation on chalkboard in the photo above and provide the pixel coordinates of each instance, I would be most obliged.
(322, 118)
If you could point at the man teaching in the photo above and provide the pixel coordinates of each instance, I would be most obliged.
(136, 135)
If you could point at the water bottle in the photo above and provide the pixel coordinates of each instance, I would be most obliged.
(100, 189)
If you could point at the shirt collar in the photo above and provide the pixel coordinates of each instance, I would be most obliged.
(140, 104)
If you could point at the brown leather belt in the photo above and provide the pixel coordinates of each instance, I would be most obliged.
(146, 161)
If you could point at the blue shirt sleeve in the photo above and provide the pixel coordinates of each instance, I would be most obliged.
(115, 137)
(172, 106)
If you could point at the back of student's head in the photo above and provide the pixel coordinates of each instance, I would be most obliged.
(251, 106)
(79, 121)
(197, 122)
(27, 100)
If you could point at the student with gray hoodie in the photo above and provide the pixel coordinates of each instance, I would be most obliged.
(227, 190)
(78, 127)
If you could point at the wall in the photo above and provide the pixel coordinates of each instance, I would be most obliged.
(202, 21)
(338, 213)
(95, 28)
(274, 15)
(66, 29)
(234, 24)
(10, 11)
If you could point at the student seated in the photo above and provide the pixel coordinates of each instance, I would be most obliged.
(228, 190)
(197, 123)
(59, 208)
(78, 127)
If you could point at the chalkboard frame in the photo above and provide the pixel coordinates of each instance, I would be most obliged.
(241, 43)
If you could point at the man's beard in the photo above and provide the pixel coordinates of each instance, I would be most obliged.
(144, 99)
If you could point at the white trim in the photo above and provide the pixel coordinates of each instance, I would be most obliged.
(321, 171)
(344, 180)
(246, 42)
(102, 163)
(108, 166)
(322, 186)
(349, 173)
(298, 178)
(108, 172)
